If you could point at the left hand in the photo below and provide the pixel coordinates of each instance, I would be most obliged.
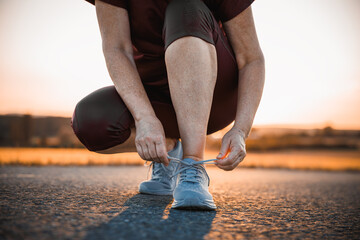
(233, 143)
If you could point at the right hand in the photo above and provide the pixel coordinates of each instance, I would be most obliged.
(150, 140)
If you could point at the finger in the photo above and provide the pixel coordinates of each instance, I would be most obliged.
(146, 152)
(226, 168)
(140, 151)
(236, 163)
(224, 149)
(242, 156)
(230, 159)
(157, 155)
(239, 159)
(152, 152)
(161, 152)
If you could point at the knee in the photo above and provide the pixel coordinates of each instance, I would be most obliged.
(187, 18)
(99, 129)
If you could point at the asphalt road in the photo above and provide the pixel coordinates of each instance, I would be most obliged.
(103, 203)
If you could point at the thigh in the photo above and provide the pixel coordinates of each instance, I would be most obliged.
(101, 120)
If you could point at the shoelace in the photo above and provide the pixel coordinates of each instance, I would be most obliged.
(192, 174)
(194, 167)
(157, 171)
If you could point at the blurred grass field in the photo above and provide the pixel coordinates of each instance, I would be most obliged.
(331, 160)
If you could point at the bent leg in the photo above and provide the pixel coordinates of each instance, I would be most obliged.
(103, 123)
(192, 68)
(101, 120)
(202, 73)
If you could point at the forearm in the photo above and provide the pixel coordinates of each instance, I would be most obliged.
(123, 72)
(251, 84)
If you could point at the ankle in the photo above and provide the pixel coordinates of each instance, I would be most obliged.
(170, 143)
(196, 158)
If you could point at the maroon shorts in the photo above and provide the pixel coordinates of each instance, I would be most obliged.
(101, 120)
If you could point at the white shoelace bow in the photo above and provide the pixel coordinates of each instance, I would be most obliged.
(191, 175)
(209, 161)
(186, 167)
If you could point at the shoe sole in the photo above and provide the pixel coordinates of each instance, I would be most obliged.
(194, 204)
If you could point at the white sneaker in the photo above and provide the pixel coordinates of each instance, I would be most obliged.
(162, 180)
(192, 190)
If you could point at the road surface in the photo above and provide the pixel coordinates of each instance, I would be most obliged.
(103, 203)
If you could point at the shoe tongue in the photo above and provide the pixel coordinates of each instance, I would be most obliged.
(188, 160)
(190, 172)
(176, 149)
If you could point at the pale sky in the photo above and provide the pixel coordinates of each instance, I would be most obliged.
(51, 57)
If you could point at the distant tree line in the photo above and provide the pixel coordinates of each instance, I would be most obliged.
(325, 138)
(30, 131)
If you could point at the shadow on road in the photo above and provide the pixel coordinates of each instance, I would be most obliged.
(150, 217)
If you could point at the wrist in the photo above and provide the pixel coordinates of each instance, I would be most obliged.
(148, 117)
(241, 130)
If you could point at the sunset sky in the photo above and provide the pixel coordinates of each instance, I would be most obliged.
(51, 57)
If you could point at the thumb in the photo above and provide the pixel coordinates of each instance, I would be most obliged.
(223, 150)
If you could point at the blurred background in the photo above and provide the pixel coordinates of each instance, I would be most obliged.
(309, 116)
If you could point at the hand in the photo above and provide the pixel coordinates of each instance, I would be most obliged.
(233, 143)
(150, 140)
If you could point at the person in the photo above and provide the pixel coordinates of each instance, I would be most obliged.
(181, 69)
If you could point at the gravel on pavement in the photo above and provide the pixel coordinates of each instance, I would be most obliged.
(103, 203)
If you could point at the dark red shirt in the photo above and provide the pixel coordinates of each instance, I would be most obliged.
(146, 19)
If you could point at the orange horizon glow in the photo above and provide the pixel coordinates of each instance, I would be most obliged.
(49, 61)
(304, 126)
